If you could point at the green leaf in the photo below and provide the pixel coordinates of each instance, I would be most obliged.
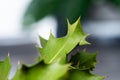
(83, 75)
(84, 60)
(5, 69)
(42, 71)
(57, 48)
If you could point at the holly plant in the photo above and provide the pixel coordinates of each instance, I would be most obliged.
(53, 63)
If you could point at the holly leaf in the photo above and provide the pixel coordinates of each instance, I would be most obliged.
(5, 68)
(83, 75)
(57, 48)
(84, 60)
(42, 71)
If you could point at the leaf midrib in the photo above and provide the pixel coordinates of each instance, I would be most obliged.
(66, 40)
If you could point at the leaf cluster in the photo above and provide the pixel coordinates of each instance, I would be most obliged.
(53, 64)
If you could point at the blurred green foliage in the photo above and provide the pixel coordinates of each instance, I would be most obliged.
(70, 9)
(61, 9)
(115, 2)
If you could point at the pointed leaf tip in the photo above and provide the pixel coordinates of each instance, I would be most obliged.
(83, 40)
(78, 21)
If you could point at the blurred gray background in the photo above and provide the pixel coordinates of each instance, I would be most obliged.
(22, 21)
